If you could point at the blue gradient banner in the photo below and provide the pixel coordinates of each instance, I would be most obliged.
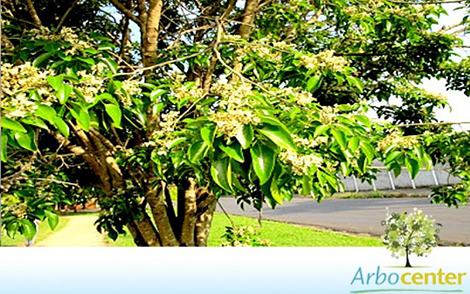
(230, 270)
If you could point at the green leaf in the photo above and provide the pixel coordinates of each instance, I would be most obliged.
(245, 136)
(197, 151)
(12, 125)
(391, 156)
(34, 121)
(271, 120)
(115, 113)
(39, 61)
(263, 162)
(26, 141)
(354, 143)
(208, 134)
(175, 142)
(55, 82)
(320, 130)
(279, 136)
(427, 161)
(234, 151)
(157, 108)
(52, 219)
(275, 192)
(4, 147)
(355, 82)
(157, 93)
(29, 229)
(87, 60)
(62, 126)
(368, 150)
(314, 83)
(82, 117)
(307, 188)
(219, 173)
(340, 138)
(63, 93)
(363, 119)
(413, 166)
(112, 65)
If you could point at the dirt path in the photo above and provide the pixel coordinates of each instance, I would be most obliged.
(80, 231)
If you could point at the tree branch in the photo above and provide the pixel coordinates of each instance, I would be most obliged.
(154, 197)
(189, 217)
(33, 13)
(64, 17)
(119, 6)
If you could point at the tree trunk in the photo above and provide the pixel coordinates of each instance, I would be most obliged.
(150, 33)
(251, 6)
(407, 258)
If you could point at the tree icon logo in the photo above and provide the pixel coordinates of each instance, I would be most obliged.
(408, 233)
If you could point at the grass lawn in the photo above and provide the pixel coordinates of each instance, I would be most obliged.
(281, 234)
(44, 232)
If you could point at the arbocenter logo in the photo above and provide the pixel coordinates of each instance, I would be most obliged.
(407, 234)
(401, 280)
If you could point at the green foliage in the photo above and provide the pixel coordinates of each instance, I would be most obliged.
(410, 233)
(293, 120)
(452, 149)
(243, 236)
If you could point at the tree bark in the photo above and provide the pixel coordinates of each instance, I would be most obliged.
(155, 198)
(189, 217)
(148, 231)
(136, 235)
(251, 6)
(151, 32)
(33, 13)
(204, 220)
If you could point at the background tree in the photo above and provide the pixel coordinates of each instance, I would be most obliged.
(410, 233)
(258, 100)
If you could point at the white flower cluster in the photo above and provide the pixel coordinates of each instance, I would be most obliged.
(309, 143)
(266, 48)
(424, 93)
(163, 135)
(328, 114)
(396, 138)
(301, 164)
(234, 95)
(132, 88)
(324, 60)
(184, 93)
(90, 84)
(229, 123)
(302, 98)
(65, 35)
(234, 110)
(16, 82)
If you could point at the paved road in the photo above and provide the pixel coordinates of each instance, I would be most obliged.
(361, 215)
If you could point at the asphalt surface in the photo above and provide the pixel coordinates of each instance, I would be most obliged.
(361, 215)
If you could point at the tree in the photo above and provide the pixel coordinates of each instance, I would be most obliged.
(210, 107)
(409, 233)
